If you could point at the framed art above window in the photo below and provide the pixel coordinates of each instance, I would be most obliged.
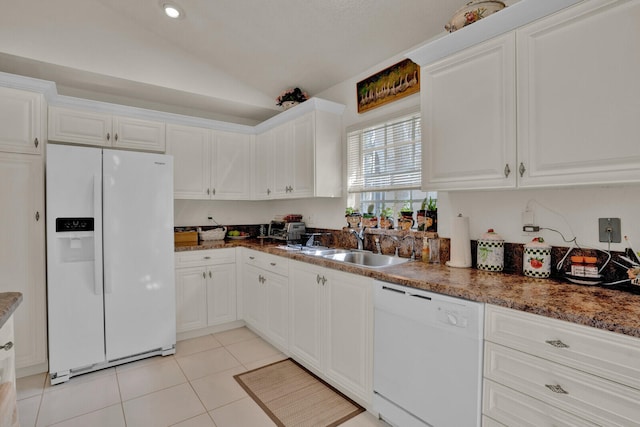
(392, 83)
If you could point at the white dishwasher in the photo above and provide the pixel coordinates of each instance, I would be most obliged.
(427, 358)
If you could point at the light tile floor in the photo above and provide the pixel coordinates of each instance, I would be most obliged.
(193, 388)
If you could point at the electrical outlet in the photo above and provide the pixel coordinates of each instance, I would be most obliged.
(609, 230)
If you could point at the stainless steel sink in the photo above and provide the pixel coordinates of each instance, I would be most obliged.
(324, 251)
(366, 259)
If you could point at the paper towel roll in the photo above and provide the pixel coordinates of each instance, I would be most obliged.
(460, 252)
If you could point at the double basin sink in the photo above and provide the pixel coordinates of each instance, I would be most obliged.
(360, 258)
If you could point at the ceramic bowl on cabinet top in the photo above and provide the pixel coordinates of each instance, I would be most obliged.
(472, 12)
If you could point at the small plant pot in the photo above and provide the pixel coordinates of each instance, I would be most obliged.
(432, 221)
(386, 223)
(370, 222)
(353, 221)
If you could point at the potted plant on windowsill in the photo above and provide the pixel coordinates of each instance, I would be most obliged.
(353, 217)
(369, 219)
(427, 215)
(405, 221)
(386, 218)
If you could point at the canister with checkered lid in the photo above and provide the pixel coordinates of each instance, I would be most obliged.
(490, 251)
(536, 260)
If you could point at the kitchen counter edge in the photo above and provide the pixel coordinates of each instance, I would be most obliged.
(9, 301)
(594, 306)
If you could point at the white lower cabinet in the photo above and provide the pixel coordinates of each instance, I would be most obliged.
(540, 371)
(205, 288)
(331, 326)
(266, 296)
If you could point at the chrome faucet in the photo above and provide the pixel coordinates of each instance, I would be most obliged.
(359, 236)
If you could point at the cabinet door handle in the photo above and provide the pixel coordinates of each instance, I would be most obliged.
(522, 169)
(210, 276)
(317, 278)
(507, 170)
(208, 191)
(37, 216)
(324, 280)
(36, 142)
(213, 191)
(557, 343)
(556, 388)
(8, 346)
(115, 137)
(273, 264)
(204, 275)
(108, 136)
(268, 191)
(252, 257)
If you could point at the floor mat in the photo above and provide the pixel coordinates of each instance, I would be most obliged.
(294, 397)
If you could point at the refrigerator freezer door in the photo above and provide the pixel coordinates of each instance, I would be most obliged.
(74, 262)
(139, 277)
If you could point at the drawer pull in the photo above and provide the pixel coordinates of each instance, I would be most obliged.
(252, 257)
(207, 257)
(8, 346)
(556, 389)
(273, 264)
(557, 343)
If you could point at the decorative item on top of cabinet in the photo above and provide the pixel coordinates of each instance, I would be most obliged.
(473, 11)
(86, 127)
(21, 121)
(291, 97)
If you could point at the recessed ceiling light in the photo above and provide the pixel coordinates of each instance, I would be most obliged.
(172, 10)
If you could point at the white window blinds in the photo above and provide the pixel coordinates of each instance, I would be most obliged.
(386, 156)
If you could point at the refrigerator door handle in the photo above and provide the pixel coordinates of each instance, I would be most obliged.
(97, 233)
(106, 260)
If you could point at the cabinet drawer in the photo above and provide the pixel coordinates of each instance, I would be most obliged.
(207, 257)
(606, 354)
(272, 263)
(577, 392)
(504, 406)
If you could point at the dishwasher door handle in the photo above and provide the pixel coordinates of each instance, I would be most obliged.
(421, 296)
(386, 288)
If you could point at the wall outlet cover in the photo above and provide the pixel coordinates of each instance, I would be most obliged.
(609, 230)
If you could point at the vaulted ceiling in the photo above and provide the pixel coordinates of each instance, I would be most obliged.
(225, 59)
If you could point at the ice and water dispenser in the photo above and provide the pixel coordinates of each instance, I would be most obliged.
(75, 239)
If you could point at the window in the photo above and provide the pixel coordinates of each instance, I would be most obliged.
(384, 165)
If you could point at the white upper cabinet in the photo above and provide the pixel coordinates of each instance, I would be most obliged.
(303, 150)
(578, 96)
(21, 116)
(468, 118)
(561, 111)
(231, 166)
(264, 171)
(210, 164)
(105, 130)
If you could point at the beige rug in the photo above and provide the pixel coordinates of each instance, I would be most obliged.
(293, 397)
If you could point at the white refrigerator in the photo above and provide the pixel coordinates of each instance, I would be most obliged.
(110, 262)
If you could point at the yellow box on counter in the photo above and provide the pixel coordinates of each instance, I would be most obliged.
(185, 238)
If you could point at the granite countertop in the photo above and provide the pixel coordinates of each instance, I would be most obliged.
(9, 301)
(594, 306)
